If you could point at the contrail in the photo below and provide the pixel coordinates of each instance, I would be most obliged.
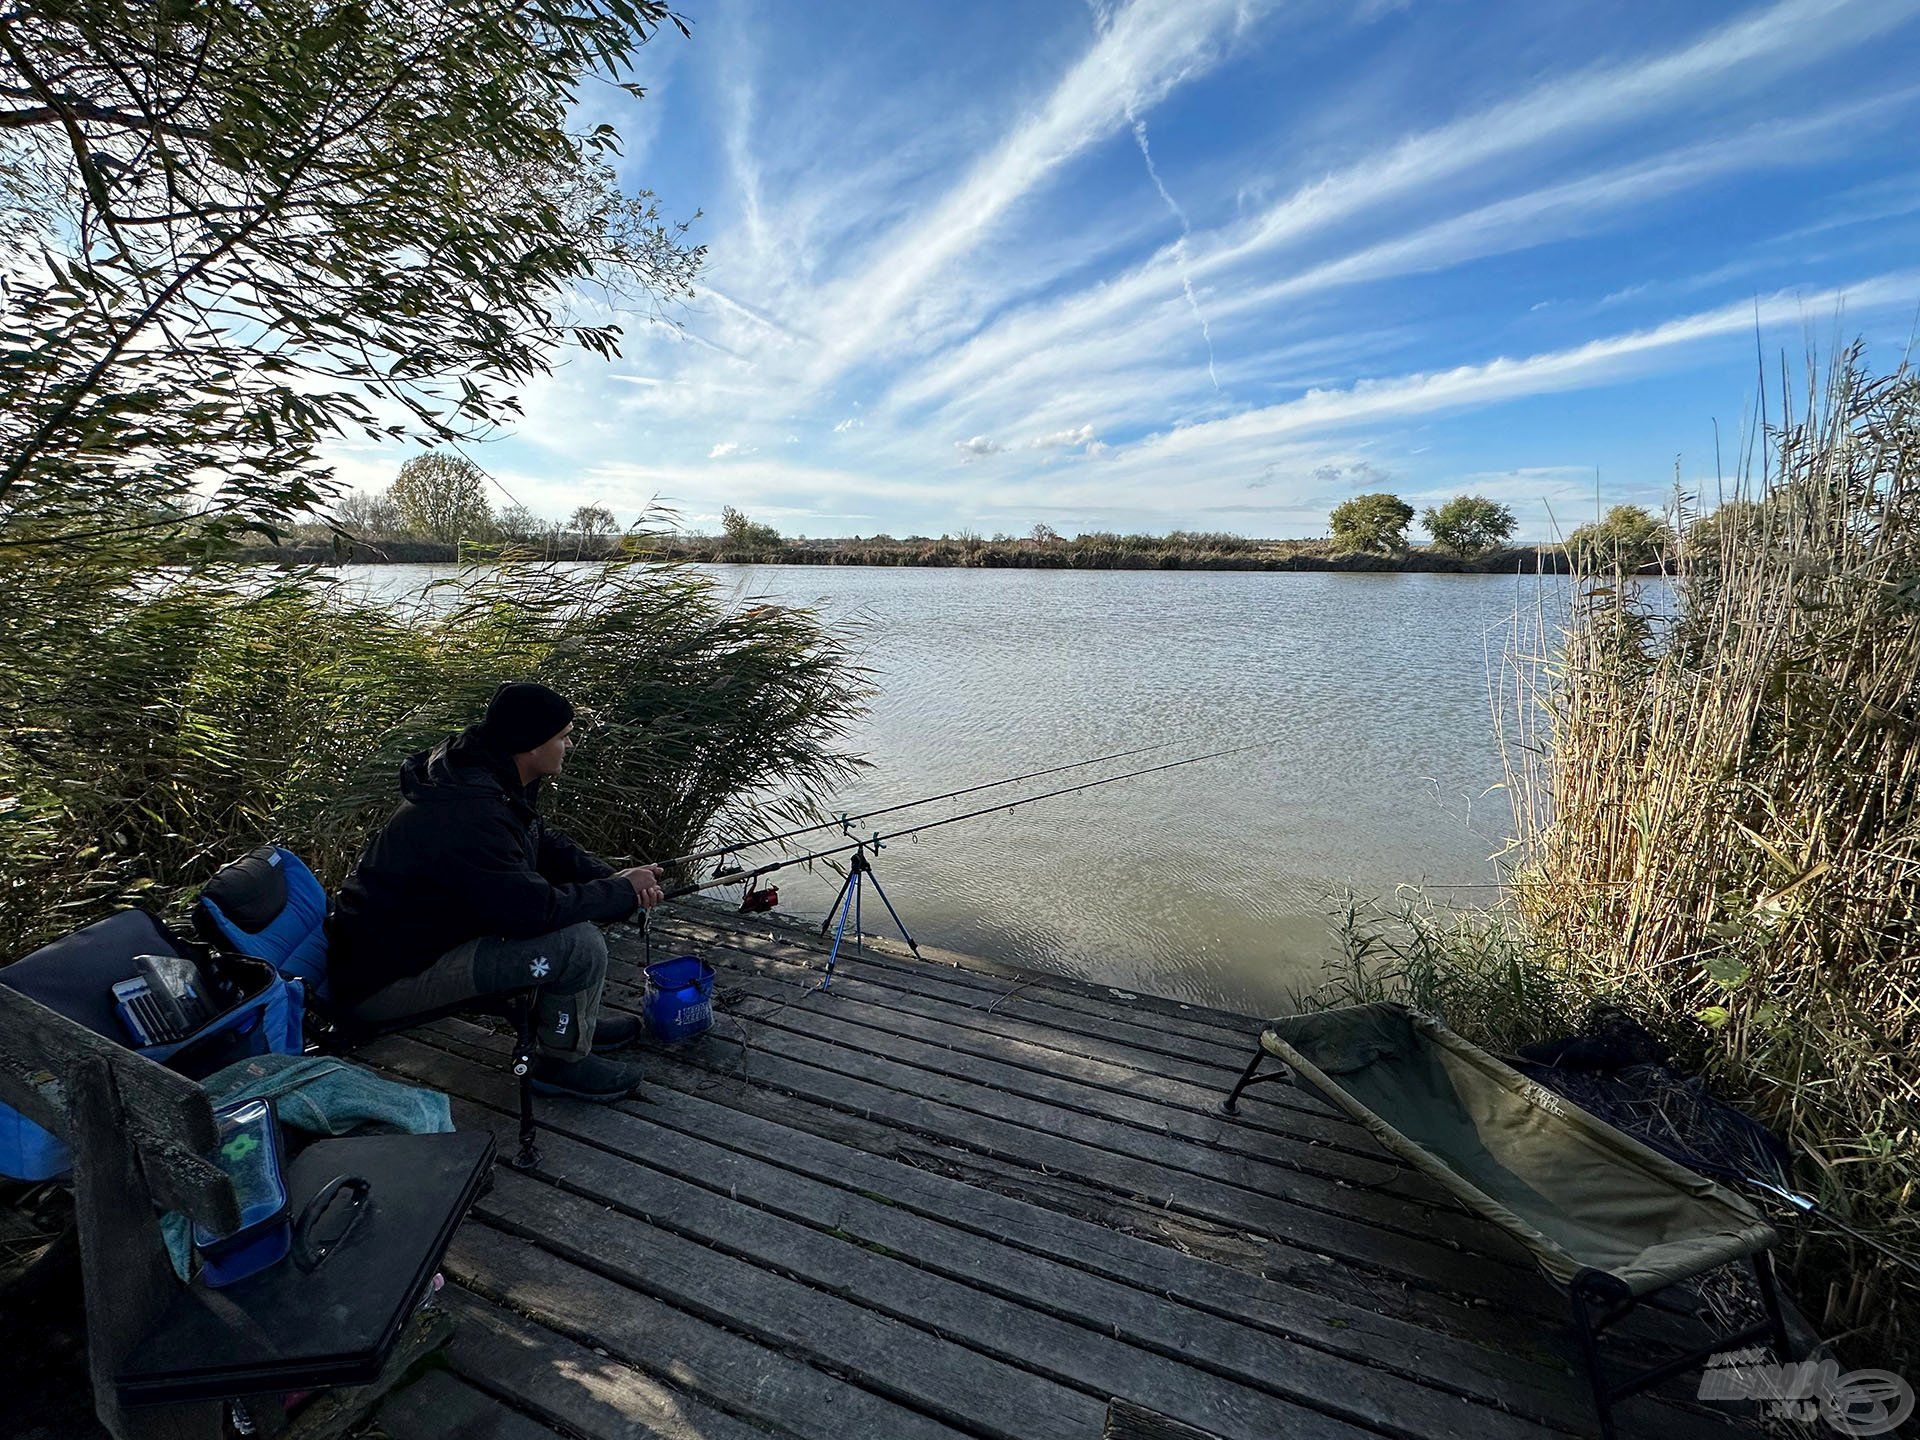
(1102, 17)
(1180, 245)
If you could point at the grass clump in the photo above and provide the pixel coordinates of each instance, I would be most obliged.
(1717, 827)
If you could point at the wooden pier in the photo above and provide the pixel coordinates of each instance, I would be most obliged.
(947, 1200)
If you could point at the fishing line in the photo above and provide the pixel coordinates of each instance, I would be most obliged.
(842, 821)
(875, 841)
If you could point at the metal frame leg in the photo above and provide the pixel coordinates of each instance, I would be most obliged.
(1770, 1302)
(1589, 1335)
(522, 1008)
(1615, 1304)
(1231, 1105)
(881, 891)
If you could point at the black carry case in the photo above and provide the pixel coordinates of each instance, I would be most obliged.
(377, 1213)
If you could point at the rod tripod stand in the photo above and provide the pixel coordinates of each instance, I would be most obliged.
(847, 902)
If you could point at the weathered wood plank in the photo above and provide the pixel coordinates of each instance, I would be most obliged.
(124, 1268)
(857, 1247)
(332, 1413)
(564, 1383)
(1379, 1189)
(1030, 996)
(186, 1181)
(975, 967)
(1126, 1421)
(40, 1047)
(1109, 1065)
(735, 1371)
(437, 1406)
(1010, 1128)
(937, 1376)
(1064, 1194)
(1258, 1255)
(1140, 1291)
(1078, 1311)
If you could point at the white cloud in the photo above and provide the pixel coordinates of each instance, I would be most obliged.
(1737, 57)
(1145, 51)
(1063, 439)
(979, 445)
(852, 422)
(724, 449)
(1321, 411)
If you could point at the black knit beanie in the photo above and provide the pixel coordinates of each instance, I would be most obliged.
(524, 716)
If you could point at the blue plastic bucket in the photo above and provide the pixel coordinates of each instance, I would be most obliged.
(679, 1001)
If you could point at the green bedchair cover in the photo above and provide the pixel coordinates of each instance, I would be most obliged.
(1575, 1191)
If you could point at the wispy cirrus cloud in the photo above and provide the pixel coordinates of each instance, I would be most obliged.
(1142, 52)
(1739, 56)
(1190, 260)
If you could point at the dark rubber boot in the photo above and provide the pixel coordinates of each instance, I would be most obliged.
(614, 1032)
(595, 1079)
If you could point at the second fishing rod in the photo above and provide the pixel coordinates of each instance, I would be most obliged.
(875, 841)
(841, 822)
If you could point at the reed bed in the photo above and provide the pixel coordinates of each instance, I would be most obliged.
(1716, 798)
(162, 721)
(1718, 821)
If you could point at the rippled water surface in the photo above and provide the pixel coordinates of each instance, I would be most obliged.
(1208, 883)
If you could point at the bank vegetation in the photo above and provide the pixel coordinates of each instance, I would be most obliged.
(1717, 829)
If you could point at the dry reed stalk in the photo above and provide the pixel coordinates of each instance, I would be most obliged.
(1718, 818)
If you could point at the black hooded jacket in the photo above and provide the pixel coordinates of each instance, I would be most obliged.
(466, 855)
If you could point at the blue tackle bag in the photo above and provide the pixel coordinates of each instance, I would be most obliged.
(269, 905)
(249, 1009)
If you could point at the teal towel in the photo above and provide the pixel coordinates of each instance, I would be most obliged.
(320, 1095)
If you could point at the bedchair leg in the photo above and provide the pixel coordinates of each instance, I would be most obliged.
(1614, 1303)
(1589, 1334)
(1232, 1103)
(1248, 1077)
(1770, 1300)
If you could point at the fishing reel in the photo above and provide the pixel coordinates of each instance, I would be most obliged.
(752, 901)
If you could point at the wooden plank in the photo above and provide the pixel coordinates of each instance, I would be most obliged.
(1126, 1421)
(857, 1247)
(1021, 993)
(1109, 1065)
(1147, 1294)
(1207, 1144)
(1077, 1312)
(731, 1370)
(568, 1385)
(334, 1412)
(437, 1406)
(970, 966)
(933, 1375)
(40, 1047)
(183, 1180)
(1258, 1255)
(124, 1268)
(1293, 1209)
(1311, 1239)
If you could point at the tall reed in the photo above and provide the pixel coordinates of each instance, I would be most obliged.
(159, 721)
(1717, 809)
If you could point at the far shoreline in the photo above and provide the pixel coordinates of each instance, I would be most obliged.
(1128, 553)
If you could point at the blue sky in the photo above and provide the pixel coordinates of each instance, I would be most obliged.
(1218, 264)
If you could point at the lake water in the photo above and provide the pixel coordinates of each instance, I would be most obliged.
(1208, 883)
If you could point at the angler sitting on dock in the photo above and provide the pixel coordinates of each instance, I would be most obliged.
(467, 892)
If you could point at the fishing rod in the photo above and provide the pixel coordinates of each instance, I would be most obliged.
(876, 840)
(842, 821)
